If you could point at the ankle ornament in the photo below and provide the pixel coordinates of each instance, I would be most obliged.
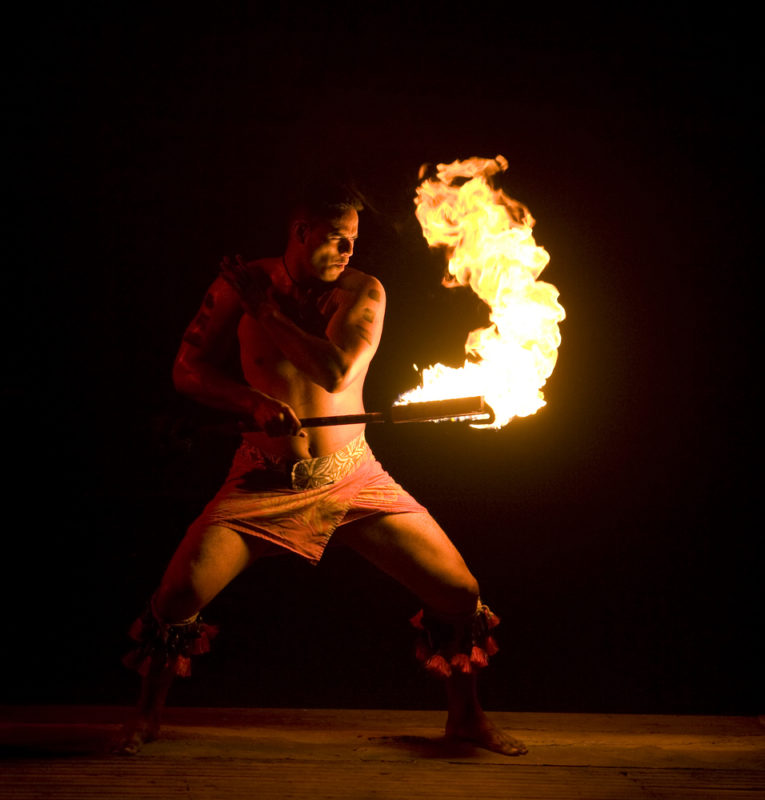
(461, 644)
(165, 645)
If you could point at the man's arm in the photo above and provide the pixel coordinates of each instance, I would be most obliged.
(352, 336)
(197, 370)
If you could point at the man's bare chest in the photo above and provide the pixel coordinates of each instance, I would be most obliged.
(259, 352)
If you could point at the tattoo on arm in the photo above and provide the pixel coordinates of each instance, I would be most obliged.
(368, 316)
(364, 334)
(195, 332)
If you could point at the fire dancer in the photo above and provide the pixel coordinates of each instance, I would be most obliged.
(307, 326)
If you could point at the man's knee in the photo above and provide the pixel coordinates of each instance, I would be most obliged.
(459, 596)
(174, 603)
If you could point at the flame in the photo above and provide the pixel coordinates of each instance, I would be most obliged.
(492, 250)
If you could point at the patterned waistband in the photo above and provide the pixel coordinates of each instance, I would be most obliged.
(312, 473)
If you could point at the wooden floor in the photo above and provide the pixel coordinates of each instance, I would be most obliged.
(222, 754)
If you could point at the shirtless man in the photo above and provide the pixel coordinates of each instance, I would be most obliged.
(308, 326)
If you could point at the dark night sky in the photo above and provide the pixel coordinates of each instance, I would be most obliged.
(612, 531)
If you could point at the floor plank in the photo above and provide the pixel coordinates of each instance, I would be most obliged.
(206, 754)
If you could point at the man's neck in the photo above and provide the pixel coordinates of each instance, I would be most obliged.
(298, 282)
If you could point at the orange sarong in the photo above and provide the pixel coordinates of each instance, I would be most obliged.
(298, 505)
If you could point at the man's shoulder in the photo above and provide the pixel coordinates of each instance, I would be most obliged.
(268, 265)
(355, 280)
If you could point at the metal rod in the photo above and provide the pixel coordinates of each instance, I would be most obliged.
(344, 419)
(469, 409)
(460, 409)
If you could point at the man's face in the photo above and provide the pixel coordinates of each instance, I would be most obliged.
(329, 245)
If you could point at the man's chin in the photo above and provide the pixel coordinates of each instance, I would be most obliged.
(331, 274)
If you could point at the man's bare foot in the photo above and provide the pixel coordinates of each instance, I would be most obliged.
(134, 736)
(478, 730)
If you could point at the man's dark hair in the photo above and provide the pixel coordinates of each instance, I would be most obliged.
(325, 197)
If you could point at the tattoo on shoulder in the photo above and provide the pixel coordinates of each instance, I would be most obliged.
(200, 321)
(193, 337)
(195, 333)
(374, 294)
(368, 315)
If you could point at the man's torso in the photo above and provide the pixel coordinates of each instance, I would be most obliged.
(266, 369)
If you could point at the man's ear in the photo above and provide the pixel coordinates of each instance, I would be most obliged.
(300, 231)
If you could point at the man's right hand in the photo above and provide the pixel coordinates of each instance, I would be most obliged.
(276, 418)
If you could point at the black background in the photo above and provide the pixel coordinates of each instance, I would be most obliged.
(614, 532)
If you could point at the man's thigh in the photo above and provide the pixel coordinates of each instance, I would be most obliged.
(208, 558)
(412, 548)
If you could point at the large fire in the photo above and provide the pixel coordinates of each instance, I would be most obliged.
(492, 250)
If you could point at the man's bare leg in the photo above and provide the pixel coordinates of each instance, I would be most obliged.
(467, 721)
(413, 549)
(206, 561)
(143, 727)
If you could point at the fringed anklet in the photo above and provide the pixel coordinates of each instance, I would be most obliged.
(463, 644)
(163, 645)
